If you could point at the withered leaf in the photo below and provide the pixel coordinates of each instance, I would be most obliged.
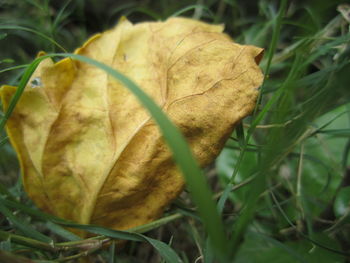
(89, 152)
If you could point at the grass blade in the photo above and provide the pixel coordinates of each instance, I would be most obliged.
(15, 27)
(194, 178)
(24, 227)
(164, 250)
(193, 7)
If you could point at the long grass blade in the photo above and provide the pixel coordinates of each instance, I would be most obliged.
(193, 7)
(194, 178)
(24, 227)
(16, 27)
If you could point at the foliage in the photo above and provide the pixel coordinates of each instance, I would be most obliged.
(282, 181)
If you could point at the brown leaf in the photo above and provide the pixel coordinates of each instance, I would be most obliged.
(90, 152)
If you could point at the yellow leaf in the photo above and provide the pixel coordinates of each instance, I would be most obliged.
(89, 152)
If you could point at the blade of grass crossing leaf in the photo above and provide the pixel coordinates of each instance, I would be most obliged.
(23, 82)
(62, 232)
(27, 229)
(195, 181)
(155, 224)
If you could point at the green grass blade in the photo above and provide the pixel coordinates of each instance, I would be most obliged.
(240, 134)
(15, 27)
(35, 3)
(224, 197)
(22, 84)
(194, 178)
(145, 11)
(275, 38)
(302, 234)
(13, 68)
(60, 15)
(24, 227)
(168, 254)
(112, 256)
(58, 230)
(3, 141)
(255, 122)
(257, 186)
(193, 7)
(59, 221)
(166, 251)
(336, 132)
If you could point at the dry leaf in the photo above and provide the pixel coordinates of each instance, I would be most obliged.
(90, 152)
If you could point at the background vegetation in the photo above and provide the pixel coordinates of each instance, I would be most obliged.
(282, 183)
